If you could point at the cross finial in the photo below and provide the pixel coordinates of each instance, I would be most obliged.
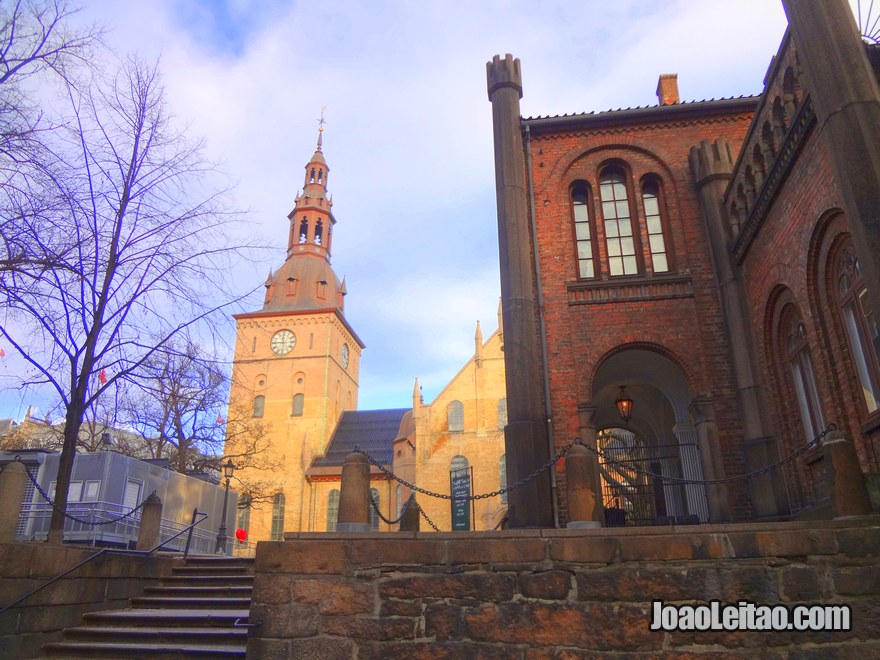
(321, 121)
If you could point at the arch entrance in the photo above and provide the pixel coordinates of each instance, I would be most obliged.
(657, 444)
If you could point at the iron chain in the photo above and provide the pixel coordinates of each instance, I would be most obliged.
(411, 500)
(82, 521)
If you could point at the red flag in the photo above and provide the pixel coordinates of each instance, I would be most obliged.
(102, 377)
(2, 353)
(220, 419)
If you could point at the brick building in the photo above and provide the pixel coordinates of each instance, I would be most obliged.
(713, 263)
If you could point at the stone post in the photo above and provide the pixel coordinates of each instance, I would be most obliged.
(151, 520)
(13, 481)
(354, 496)
(846, 97)
(581, 497)
(849, 494)
(711, 459)
(712, 166)
(587, 431)
(525, 437)
(411, 519)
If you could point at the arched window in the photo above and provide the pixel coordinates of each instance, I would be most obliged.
(399, 494)
(277, 533)
(332, 510)
(619, 239)
(312, 176)
(458, 464)
(797, 353)
(319, 232)
(502, 413)
(654, 225)
(583, 230)
(243, 513)
(861, 325)
(259, 405)
(502, 476)
(374, 517)
(304, 230)
(455, 416)
(298, 405)
(291, 286)
(320, 176)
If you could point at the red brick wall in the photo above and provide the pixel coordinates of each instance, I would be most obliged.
(688, 330)
(556, 593)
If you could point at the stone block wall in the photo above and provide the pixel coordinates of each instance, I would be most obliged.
(106, 583)
(535, 594)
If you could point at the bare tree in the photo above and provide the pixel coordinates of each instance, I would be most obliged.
(180, 411)
(148, 223)
(36, 44)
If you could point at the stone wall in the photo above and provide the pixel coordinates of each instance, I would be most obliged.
(104, 584)
(558, 593)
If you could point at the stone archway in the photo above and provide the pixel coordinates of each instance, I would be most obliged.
(659, 438)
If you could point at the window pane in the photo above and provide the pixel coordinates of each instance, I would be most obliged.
(629, 266)
(582, 231)
(625, 228)
(611, 229)
(654, 226)
(651, 206)
(584, 250)
(332, 510)
(613, 248)
(622, 209)
(660, 264)
(580, 212)
(586, 268)
(627, 246)
(615, 266)
(608, 210)
(657, 243)
(869, 388)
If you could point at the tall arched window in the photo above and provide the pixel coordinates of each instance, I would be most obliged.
(277, 533)
(654, 225)
(243, 513)
(583, 230)
(455, 416)
(502, 413)
(332, 510)
(374, 517)
(619, 238)
(298, 405)
(259, 405)
(861, 325)
(304, 230)
(502, 476)
(319, 232)
(797, 353)
(399, 494)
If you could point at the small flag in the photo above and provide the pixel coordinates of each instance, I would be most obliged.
(102, 377)
(220, 419)
(2, 353)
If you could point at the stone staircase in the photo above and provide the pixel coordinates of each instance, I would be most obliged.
(198, 611)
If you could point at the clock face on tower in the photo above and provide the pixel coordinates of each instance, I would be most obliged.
(345, 356)
(283, 342)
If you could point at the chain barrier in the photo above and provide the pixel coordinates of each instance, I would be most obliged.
(726, 480)
(429, 521)
(411, 500)
(82, 521)
(482, 496)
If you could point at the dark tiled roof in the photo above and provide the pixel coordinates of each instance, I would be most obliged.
(372, 430)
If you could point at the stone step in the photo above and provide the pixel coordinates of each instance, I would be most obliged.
(169, 617)
(136, 650)
(204, 590)
(192, 602)
(207, 569)
(208, 579)
(157, 635)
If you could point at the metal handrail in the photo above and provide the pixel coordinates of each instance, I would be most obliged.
(104, 551)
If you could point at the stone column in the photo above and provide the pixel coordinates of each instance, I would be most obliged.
(703, 414)
(151, 521)
(846, 97)
(712, 166)
(525, 436)
(13, 481)
(849, 494)
(354, 496)
(587, 432)
(580, 494)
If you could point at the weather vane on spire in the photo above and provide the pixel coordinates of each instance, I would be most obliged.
(322, 121)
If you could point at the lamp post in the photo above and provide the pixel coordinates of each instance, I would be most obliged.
(228, 469)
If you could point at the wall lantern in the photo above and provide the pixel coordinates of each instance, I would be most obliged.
(624, 404)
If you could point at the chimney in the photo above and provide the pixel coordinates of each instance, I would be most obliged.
(667, 89)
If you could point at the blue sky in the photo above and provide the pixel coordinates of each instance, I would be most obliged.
(408, 136)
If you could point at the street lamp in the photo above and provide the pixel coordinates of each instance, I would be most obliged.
(624, 404)
(228, 469)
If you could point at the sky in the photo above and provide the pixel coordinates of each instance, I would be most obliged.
(408, 134)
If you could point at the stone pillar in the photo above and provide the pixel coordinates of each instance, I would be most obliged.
(849, 494)
(354, 496)
(712, 166)
(587, 432)
(846, 97)
(411, 518)
(525, 436)
(13, 481)
(151, 520)
(711, 458)
(580, 494)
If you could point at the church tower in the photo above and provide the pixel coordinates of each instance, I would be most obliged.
(296, 365)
